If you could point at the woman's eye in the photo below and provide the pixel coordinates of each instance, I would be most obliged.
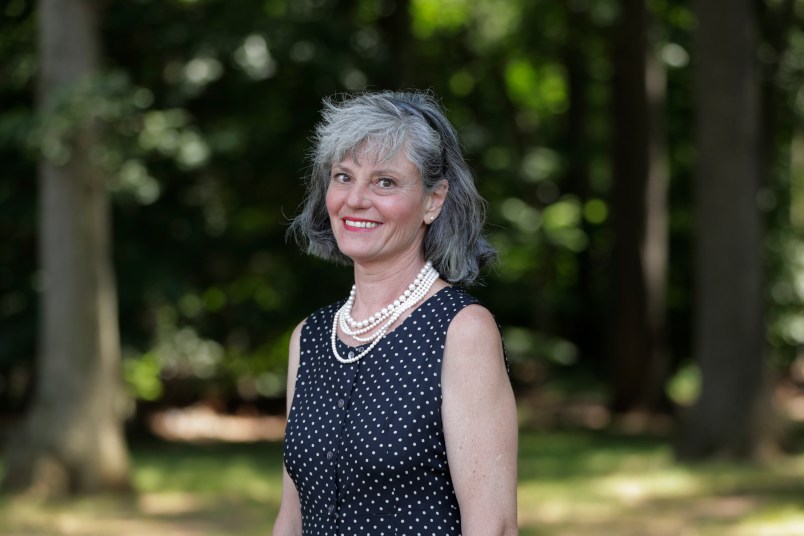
(340, 177)
(386, 183)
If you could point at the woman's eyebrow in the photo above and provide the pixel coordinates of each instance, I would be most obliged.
(386, 171)
(340, 167)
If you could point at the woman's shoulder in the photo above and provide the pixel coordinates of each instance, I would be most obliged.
(476, 321)
(474, 340)
(470, 316)
(474, 327)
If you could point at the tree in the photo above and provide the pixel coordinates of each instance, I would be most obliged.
(731, 416)
(72, 439)
(639, 257)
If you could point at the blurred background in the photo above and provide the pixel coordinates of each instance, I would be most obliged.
(643, 161)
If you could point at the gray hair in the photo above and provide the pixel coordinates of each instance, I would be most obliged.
(383, 124)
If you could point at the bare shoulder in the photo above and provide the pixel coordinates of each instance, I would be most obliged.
(474, 324)
(472, 318)
(474, 343)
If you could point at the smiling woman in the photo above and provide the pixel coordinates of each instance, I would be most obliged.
(375, 125)
(402, 418)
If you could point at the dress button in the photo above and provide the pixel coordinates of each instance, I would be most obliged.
(351, 355)
(341, 403)
(330, 455)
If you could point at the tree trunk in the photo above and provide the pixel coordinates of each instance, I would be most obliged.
(400, 68)
(731, 417)
(585, 330)
(639, 217)
(72, 440)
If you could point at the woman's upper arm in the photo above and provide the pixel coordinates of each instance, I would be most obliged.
(288, 520)
(480, 424)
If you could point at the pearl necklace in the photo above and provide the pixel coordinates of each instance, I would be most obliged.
(386, 316)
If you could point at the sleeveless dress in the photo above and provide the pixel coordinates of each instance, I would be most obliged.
(364, 442)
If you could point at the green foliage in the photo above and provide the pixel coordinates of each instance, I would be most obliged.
(543, 90)
(143, 376)
(180, 355)
(430, 16)
(783, 197)
(685, 385)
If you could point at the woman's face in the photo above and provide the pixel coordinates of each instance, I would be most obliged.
(379, 211)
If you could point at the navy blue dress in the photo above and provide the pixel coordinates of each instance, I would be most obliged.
(364, 442)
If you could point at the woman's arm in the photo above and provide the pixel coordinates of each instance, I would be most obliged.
(480, 424)
(288, 520)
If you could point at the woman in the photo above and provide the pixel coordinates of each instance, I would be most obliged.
(402, 419)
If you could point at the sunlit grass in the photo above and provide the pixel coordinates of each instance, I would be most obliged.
(246, 471)
(578, 483)
(571, 483)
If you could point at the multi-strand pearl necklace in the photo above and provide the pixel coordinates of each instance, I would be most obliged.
(381, 320)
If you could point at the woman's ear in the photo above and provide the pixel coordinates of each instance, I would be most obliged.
(435, 200)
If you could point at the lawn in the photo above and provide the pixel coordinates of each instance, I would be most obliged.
(571, 483)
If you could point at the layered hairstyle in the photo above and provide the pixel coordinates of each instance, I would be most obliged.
(381, 125)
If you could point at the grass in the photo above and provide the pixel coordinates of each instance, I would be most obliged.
(182, 490)
(584, 483)
(571, 483)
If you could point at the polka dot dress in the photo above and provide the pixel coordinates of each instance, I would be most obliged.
(364, 442)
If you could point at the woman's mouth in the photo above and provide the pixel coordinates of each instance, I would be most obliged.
(360, 224)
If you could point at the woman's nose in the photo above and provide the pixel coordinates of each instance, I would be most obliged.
(358, 196)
